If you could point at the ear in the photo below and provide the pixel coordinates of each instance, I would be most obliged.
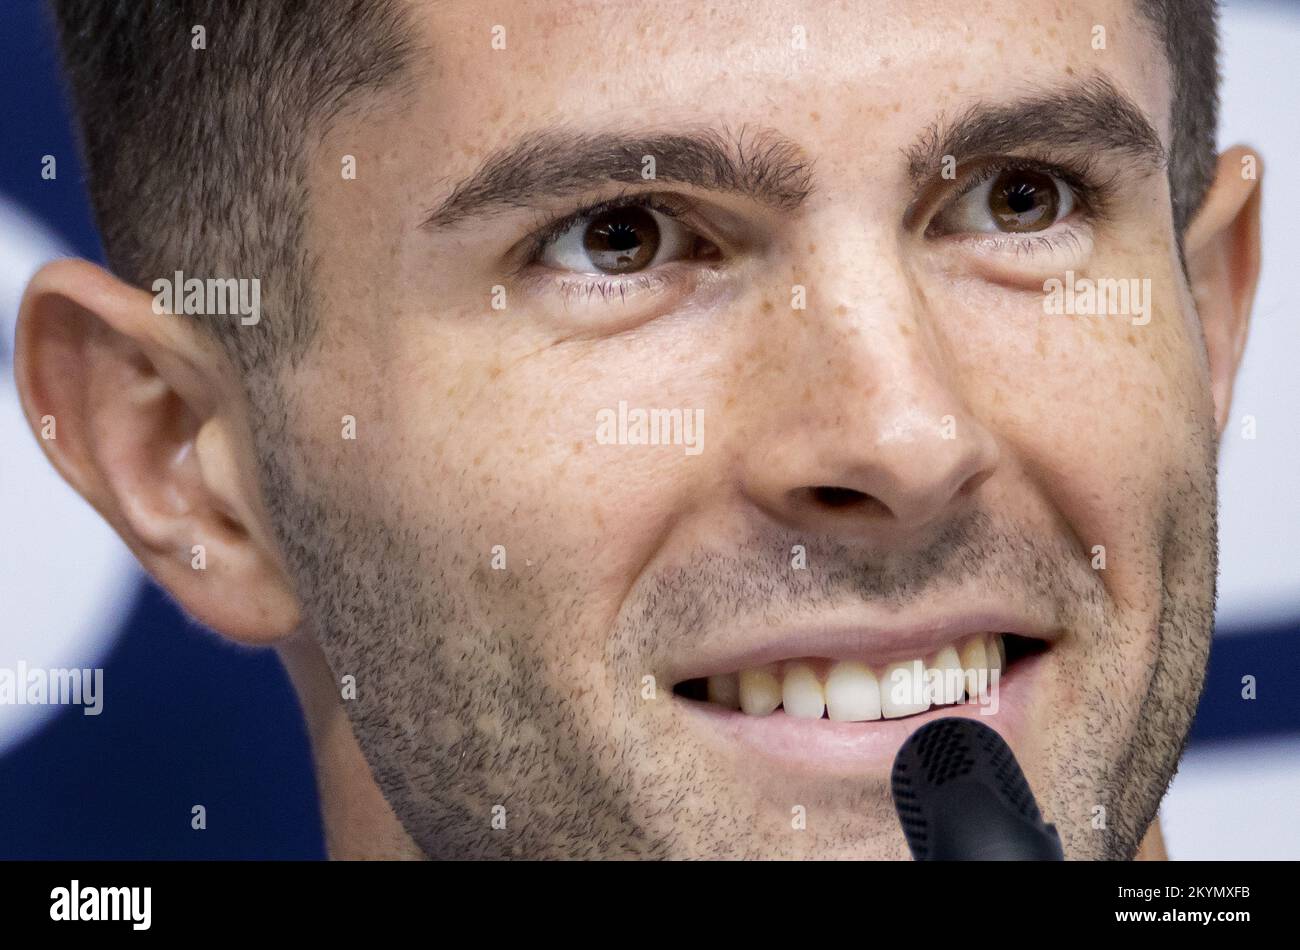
(1222, 250)
(141, 413)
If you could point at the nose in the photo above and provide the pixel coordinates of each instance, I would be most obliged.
(877, 445)
(893, 465)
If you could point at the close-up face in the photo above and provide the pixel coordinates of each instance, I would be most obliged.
(697, 402)
(875, 445)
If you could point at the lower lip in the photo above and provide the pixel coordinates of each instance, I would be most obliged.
(855, 748)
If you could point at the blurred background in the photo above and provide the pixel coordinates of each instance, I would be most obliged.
(191, 719)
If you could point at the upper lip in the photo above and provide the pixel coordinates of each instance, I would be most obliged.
(873, 642)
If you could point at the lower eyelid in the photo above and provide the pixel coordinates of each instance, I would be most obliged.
(1075, 228)
(569, 284)
(1020, 261)
(1074, 240)
(608, 287)
(1066, 240)
(616, 303)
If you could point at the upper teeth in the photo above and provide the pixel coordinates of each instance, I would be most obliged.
(854, 692)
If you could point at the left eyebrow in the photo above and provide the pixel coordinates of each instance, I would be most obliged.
(760, 164)
(1089, 117)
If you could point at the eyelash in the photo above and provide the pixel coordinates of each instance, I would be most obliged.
(672, 206)
(573, 287)
(1080, 176)
(1093, 196)
(584, 287)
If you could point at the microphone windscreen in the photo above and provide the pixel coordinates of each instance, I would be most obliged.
(961, 795)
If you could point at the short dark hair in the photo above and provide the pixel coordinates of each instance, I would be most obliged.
(1189, 30)
(197, 162)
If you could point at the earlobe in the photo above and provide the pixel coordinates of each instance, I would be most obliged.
(132, 408)
(1223, 256)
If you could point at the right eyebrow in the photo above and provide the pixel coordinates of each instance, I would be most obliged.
(759, 163)
(1090, 117)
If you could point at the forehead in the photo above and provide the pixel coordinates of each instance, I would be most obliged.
(835, 69)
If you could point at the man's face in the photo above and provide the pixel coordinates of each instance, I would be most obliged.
(884, 445)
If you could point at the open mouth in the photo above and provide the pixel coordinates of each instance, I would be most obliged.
(847, 690)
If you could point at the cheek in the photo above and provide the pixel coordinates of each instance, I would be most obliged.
(1096, 411)
(545, 450)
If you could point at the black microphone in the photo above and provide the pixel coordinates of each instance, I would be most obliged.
(961, 796)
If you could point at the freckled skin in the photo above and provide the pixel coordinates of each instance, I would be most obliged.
(523, 687)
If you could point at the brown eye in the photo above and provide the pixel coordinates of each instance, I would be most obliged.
(1009, 201)
(622, 240)
(1023, 200)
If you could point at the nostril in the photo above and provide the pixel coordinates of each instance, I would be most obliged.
(838, 498)
(833, 497)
